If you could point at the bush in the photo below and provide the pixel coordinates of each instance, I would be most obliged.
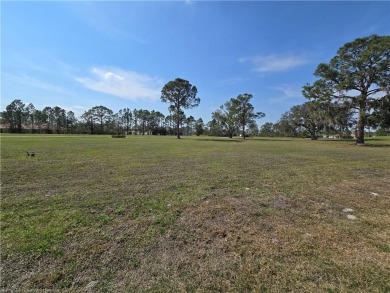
(382, 132)
(118, 136)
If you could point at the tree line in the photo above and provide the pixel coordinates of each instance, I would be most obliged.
(25, 118)
(352, 92)
(179, 94)
(20, 117)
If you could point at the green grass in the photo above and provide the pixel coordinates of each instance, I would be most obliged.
(200, 214)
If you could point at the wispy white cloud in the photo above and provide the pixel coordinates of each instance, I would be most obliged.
(128, 85)
(230, 81)
(289, 91)
(285, 95)
(34, 82)
(285, 101)
(77, 110)
(107, 20)
(273, 62)
(371, 29)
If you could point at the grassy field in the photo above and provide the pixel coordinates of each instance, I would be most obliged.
(156, 214)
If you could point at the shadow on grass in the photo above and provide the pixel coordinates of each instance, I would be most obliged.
(222, 139)
(337, 140)
(367, 143)
(378, 139)
(377, 145)
(274, 139)
(225, 139)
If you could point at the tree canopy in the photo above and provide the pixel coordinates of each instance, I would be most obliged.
(246, 111)
(227, 117)
(235, 114)
(15, 115)
(359, 74)
(180, 94)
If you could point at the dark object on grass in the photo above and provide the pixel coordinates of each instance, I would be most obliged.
(31, 154)
(118, 136)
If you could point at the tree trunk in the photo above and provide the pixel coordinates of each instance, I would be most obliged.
(313, 135)
(360, 126)
(91, 126)
(19, 124)
(243, 131)
(178, 128)
(101, 126)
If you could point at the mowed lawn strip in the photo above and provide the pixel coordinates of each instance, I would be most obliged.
(200, 214)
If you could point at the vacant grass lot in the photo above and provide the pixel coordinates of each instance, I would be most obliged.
(156, 214)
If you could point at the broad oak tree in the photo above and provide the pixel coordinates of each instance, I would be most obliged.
(359, 74)
(310, 116)
(180, 94)
(381, 115)
(236, 113)
(227, 116)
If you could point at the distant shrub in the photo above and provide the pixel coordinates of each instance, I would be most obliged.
(118, 136)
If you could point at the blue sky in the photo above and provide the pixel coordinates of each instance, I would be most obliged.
(77, 55)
